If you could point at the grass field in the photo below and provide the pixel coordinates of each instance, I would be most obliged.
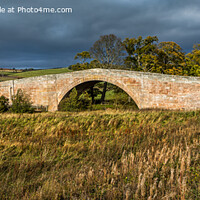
(42, 72)
(6, 72)
(9, 75)
(100, 155)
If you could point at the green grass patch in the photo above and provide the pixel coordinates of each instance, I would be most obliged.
(9, 75)
(42, 72)
(4, 72)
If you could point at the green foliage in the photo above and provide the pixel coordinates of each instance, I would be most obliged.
(70, 103)
(141, 53)
(83, 56)
(84, 101)
(80, 66)
(148, 56)
(166, 57)
(4, 104)
(95, 64)
(21, 103)
(75, 102)
(193, 61)
(124, 101)
(171, 58)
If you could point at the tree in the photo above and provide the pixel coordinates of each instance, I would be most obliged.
(141, 53)
(171, 58)
(148, 56)
(83, 56)
(193, 61)
(108, 51)
(95, 64)
(80, 66)
(75, 102)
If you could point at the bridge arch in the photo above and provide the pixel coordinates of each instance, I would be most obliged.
(123, 86)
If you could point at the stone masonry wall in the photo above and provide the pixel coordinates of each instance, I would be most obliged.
(148, 90)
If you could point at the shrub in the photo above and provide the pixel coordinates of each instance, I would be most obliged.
(21, 103)
(85, 101)
(75, 102)
(123, 101)
(4, 103)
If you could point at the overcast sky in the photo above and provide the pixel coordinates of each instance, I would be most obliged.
(52, 40)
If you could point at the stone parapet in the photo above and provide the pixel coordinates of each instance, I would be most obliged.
(148, 90)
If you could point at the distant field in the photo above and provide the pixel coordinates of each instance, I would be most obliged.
(109, 154)
(2, 72)
(9, 75)
(42, 72)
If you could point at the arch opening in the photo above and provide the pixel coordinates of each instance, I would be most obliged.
(115, 96)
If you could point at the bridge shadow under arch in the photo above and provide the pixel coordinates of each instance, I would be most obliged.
(82, 86)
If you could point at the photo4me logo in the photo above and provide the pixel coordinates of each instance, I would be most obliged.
(35, 10)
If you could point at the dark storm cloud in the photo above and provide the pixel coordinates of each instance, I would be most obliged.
(52, 40)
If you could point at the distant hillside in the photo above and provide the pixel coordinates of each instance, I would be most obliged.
(6, 74)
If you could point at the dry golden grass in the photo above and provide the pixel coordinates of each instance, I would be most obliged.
(100, 155)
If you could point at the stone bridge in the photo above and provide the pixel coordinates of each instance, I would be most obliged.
(148, 90)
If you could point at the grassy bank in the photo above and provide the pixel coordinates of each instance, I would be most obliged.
(100, 155)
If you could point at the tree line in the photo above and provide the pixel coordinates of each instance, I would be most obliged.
(140, 54)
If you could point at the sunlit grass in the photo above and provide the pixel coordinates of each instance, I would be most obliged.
(100, 155)
(13, 75)
(42, 72)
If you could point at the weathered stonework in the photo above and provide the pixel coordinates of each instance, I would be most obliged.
(148, 90)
